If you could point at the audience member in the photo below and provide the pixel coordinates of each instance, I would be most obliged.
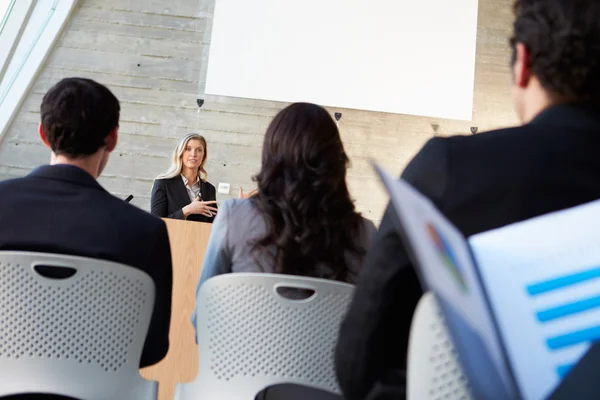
(182, 192)
(61, 208)
(302, 221)
(486, 181)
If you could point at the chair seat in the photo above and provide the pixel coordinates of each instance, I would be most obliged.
(433, 368)
(80, 334)
(250, 336)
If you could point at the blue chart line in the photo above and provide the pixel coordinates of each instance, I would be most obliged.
(562, 282)
(574, 338)
(557, 312)
(563, 370)
(568, 309)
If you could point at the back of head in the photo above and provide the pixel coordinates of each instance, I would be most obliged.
(563, 41)
(77, 115)
(303, 195)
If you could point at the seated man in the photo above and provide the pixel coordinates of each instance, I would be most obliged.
(61, 208)
(485, 181)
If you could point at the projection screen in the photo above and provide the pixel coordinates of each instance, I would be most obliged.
(398, 56)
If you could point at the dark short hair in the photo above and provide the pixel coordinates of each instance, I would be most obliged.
(563, 38)
(77, 116)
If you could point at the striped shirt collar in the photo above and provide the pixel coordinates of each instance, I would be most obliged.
(185, 180)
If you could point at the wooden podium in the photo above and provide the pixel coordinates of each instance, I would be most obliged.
(188, 245)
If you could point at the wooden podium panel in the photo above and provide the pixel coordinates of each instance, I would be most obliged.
(188, 244)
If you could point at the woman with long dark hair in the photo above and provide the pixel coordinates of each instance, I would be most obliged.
(302, 221)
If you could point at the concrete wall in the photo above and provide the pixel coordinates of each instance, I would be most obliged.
(153, 53)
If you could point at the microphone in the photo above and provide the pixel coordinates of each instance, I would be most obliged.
(128, 199)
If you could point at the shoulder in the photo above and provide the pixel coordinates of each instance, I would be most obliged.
(238, 207)
(166, 181)
(432, 154)
(8, 190)
(11, 187)
(209, 185)
(368, 225)
(241, 213)
(439, 145)
(5, 185)
(442, 159)
(14, 182)
(428, 170)
(496, 140)
(129, 215)
(500, 150)
(367, 230)
(166, 184)
(238, 221)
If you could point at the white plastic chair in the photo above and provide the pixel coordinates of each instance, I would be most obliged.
(433, 369)
(251, 337)
(81, 336)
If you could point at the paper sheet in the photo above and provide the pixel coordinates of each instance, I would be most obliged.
(543, 280)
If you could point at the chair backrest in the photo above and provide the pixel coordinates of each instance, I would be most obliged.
(79, 336)
(434, 372)
(250, 336)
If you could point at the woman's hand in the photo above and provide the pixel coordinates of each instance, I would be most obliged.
(243, 195)
(200, 207)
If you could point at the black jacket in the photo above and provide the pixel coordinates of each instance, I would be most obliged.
(62, 209)
(169, 196)
(479, 182)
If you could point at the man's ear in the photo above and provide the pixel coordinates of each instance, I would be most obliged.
(522, 67)
(43, 137)
(111, 139)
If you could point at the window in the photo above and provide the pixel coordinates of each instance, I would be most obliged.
(4, 4)
(28, 31)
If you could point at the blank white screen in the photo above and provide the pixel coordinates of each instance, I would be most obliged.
(399, 56)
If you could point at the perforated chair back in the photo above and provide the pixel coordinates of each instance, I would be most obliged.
(251, 336)
(81, 336)
(433, 369)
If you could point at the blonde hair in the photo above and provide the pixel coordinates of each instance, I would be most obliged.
(177, 162)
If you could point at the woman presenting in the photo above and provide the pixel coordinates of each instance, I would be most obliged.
(183, 192)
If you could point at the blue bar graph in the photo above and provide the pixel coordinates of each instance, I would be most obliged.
(574, 338)
(563, 370)
(566, 310)
(562, 282)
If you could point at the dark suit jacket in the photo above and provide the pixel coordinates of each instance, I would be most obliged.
(169, 196)
(62, 209)
(479, 182)
(581, 382)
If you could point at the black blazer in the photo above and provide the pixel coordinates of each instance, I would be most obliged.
(62, 209)
(479, 182)
(169, 196)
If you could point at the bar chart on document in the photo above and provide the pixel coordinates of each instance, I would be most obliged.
(583, 333)
(542, 278)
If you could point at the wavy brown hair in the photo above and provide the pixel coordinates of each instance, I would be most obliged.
(302, 194)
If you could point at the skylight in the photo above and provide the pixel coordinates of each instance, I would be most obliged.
(28, 32)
